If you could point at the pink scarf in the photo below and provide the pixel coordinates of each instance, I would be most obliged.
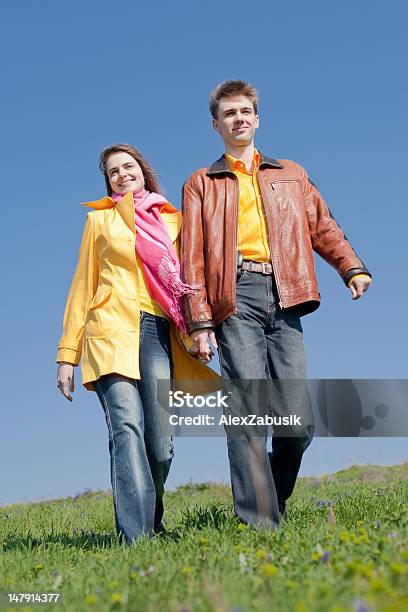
(161, 267)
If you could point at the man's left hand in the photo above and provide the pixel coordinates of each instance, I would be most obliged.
(358, 286)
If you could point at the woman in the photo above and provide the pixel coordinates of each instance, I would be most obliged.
(123, 317)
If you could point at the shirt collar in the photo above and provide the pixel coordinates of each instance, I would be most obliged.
(237, 165)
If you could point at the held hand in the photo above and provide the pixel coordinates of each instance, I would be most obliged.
(65, 379)
(358, 286)
(202, 348)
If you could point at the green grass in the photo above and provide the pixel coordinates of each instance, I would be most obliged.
(342, 548)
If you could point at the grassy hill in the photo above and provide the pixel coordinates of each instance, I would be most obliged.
(343, 547)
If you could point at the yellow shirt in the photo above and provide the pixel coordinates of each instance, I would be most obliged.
(147, 304)
(253, 240)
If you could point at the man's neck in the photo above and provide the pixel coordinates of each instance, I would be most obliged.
(244, 153)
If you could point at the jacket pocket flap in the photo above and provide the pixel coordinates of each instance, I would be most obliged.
(101, 296)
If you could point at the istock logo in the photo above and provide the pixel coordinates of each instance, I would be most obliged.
(178, 399)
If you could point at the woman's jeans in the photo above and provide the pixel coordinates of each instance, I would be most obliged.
(140, 446)
(262, 341)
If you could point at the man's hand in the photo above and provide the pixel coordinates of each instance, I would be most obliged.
(358, 286)
(202, 341)
(65, 379)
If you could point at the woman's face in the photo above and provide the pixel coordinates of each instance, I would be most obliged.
(124, 173)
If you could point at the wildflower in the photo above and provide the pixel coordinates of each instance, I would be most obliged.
(360, 606)
(392, 535)
(186, 570)
(204, 542)
(241, 526)
(267, 569)
(244, 565)
(378, 584)
(114, 584)
(345, 536)
(241, 549)
(91, 600)
(397, 568)
(357, 568)
(261, 554)
(148, 572)
(117, 598)
(325, 557)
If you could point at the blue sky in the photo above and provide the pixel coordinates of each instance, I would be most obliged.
(78, 76)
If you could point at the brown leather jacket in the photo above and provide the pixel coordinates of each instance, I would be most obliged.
(298, 221)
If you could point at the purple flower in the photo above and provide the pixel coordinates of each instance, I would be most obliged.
(360, 606)
(326, 556)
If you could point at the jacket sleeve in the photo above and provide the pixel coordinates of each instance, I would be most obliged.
(198, 312)
(82, 290)
(328, 239)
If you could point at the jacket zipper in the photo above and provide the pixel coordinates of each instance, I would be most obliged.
(283, 181)
(270, 236)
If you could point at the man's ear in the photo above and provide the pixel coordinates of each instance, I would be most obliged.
(215, 125)
(257, 121)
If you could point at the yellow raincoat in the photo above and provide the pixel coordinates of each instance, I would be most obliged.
(102, 315)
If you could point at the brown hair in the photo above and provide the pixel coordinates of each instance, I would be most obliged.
(150, 176)
(231, 89)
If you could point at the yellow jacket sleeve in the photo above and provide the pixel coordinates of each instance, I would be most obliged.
(82, 290)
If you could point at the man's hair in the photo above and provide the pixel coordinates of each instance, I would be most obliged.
(150, 176)
(232, 89)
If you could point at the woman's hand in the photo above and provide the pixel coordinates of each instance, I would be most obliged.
(202, 341)
(65, 379)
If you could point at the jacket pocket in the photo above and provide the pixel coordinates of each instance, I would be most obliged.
(102, 317)
(282, 182)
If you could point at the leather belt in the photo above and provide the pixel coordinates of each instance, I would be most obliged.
(257, 266)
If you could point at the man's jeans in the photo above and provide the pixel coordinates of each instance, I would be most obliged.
(140, 447)
(263, 341)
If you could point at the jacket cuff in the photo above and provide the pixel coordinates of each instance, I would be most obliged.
(194, 325)
(69, 355)
(353, 272)
(356, 276)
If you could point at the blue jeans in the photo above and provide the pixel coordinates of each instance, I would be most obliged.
(262, 341)
(140, 446)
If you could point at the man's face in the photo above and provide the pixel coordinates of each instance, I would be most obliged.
(236, 121)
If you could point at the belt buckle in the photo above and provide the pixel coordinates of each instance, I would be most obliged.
(263, 264)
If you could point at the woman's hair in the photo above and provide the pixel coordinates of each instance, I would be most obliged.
(150, 176)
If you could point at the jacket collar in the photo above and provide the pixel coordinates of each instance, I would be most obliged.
(221, 165)
(171, 216)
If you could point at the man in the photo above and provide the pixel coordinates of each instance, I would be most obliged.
(251, 224)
